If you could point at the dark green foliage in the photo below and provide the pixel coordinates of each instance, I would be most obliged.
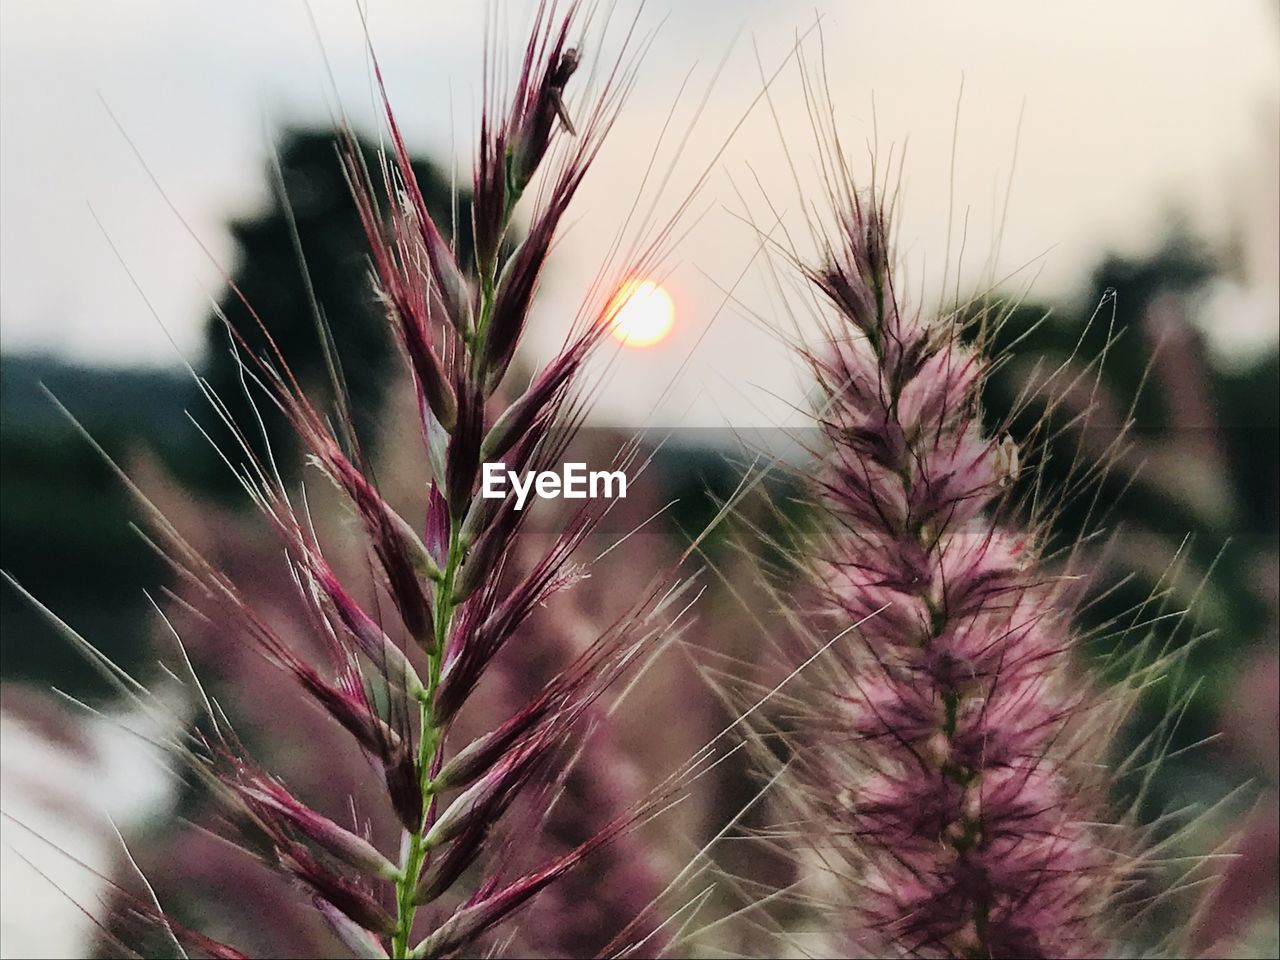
(64, 516)
(1226, 540)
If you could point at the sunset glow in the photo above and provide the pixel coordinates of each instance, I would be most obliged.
(642, 313)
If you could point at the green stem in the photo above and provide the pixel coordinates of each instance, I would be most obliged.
(431, 737)
(488, 289)
(429, 742)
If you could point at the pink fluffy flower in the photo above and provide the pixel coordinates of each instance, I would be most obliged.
(939, 756)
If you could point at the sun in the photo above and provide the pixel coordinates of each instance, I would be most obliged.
(641, 313)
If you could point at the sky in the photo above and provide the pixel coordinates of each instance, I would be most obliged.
(1028, 139)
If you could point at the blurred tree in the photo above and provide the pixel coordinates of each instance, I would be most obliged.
(307, 250)
(64, 519)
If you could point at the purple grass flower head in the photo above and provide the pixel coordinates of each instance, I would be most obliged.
(938, 753)
(384, 638)
(391, 664)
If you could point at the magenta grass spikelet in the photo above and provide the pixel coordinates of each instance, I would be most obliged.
(390, 664)
(939, 751)
(452, 582)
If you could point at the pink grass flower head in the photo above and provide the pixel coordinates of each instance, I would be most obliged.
(454, 579)
(937, 755)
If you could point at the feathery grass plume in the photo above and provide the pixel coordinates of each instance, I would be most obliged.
(454, 581)
(939, 754)
(451, 587)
